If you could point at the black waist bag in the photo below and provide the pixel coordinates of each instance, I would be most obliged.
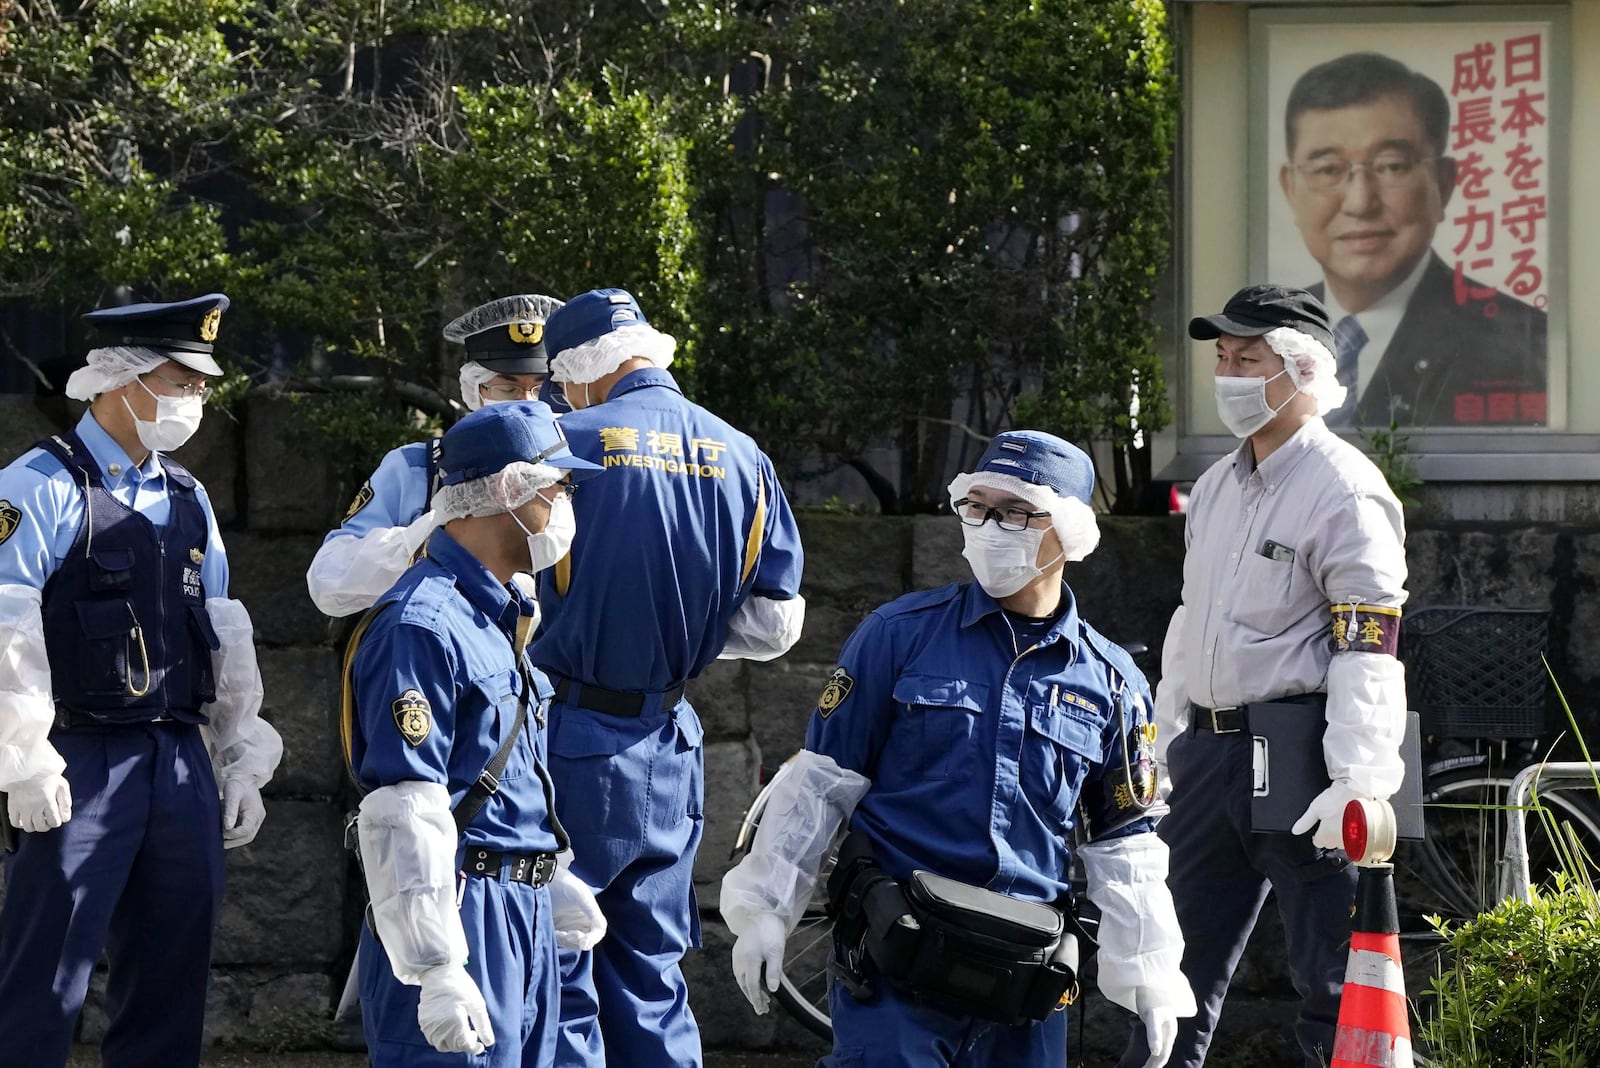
(984, 954)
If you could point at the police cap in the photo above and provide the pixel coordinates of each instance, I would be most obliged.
(498, 435)
(506, 335)
(181, 330)
(1041, 459)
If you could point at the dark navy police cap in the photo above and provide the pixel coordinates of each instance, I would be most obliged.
(1041, 459)
(182, 330)
(507, 335)
(497, 435)
(588, 316)
(1256, 310)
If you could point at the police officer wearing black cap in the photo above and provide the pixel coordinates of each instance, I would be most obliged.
(131, 748)
(1292, 587)
(389, 518)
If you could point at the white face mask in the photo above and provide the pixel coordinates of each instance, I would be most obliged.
(554, 541)
(1242, 403)
(1003, 560)
(177, 418)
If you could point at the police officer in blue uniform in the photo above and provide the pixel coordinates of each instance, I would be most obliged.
(388, 520)
(126, 661)
(963, 733)
(685, 550)
(444, 729)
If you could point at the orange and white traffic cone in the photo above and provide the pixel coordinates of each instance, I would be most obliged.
(1374, 1026)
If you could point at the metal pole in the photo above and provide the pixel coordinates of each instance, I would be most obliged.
(1515, 880)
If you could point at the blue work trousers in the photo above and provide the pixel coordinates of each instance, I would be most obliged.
(136, 873)
(890, 1031)
(1220, 874)
(511, 955)
(629, 792)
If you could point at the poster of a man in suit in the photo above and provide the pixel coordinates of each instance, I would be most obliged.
(1415, 202)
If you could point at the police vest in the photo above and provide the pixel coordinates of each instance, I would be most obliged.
(125, 621)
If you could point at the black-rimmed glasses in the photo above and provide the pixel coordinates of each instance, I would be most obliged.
(976, 514)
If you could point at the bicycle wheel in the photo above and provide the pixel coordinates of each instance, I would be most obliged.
(1455, 868)
(803, 987)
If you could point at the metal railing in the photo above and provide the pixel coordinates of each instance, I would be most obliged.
(1515, 880)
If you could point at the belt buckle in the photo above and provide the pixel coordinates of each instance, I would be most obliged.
(1215, 729)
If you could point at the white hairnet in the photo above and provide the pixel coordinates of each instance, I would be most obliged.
(1310, 365)
(112, 368)
(598, 357)
(474, 376)
(1073, 520)
(510, 489)
(533, 307)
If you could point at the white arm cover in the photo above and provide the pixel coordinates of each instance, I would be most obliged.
(27, 709)
(764, 629)
(1366, 722)
(408, 849)
(350, 573)
(1172, 696)
(243, 745)
(810, 800)
(1141, 946)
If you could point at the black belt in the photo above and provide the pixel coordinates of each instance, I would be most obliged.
(71, 719)
(612, 702)
(1230, 720)
(535, 869)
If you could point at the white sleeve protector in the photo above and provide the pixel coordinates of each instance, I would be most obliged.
(1366, 722)
(1172, 695)
(1141, 945)
(27, 709)
(408, 849)
(811, 799)
(350, 573)
(242, 744)
(764, 629)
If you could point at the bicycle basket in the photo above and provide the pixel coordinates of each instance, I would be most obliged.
(1477, 672)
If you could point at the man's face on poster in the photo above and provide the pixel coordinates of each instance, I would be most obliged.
(1367, 189)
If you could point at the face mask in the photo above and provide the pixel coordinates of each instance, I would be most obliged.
(177, 418)
(1002, 560)
(1242, 403)
(553, 542)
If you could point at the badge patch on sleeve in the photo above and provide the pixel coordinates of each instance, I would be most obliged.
(414, 716)
(1365, 628)
(10, 520)
(363, 498)
(837, 689)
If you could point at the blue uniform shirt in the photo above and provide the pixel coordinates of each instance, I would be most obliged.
(395, 495)
(436, 688)
(978, 752)
(642, 606)
(50, 507)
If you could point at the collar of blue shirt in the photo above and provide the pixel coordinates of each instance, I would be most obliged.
(979, 604)
(108, 455)
(476, 583)
(640, 379)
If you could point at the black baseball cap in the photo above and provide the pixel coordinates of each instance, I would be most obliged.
(1255, 310)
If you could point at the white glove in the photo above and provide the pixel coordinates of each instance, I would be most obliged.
(1160, 1026)
(578, 920)
(1326, 813)
(761, 945)
(451, 1011)
(41, 803)
(242, 811)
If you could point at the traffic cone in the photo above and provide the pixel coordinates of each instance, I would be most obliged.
(1374, 1028)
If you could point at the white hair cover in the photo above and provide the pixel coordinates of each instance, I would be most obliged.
(532, 307)
(112, 368)
(1073, 520)
(510, 489)
(474, 376)
(1311, 366)
(598, 357)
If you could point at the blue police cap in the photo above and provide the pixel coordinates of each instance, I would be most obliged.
(1041, 459)
(497, 435)
(181, 330)
(588, 316)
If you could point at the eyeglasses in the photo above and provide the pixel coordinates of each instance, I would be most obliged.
(1388, 171)
(201, 389)
(976, 514)
(509, 393)
(566, 489)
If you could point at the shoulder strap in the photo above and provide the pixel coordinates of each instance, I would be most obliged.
(488, 783)
(347, 700)
(177, 472)
(435, 447)
(72, 454)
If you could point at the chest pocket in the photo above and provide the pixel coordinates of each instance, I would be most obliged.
(1060, 751)
(941, 719)
(1270, 592)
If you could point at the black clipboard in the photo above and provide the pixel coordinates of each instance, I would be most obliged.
(1289, 770)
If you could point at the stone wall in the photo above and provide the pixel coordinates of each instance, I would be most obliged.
(289, 922)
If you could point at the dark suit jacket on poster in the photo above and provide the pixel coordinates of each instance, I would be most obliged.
(1450, 364)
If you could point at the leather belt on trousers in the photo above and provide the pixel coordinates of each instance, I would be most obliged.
(535, 869)
(1230, 720)
(611, 702)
